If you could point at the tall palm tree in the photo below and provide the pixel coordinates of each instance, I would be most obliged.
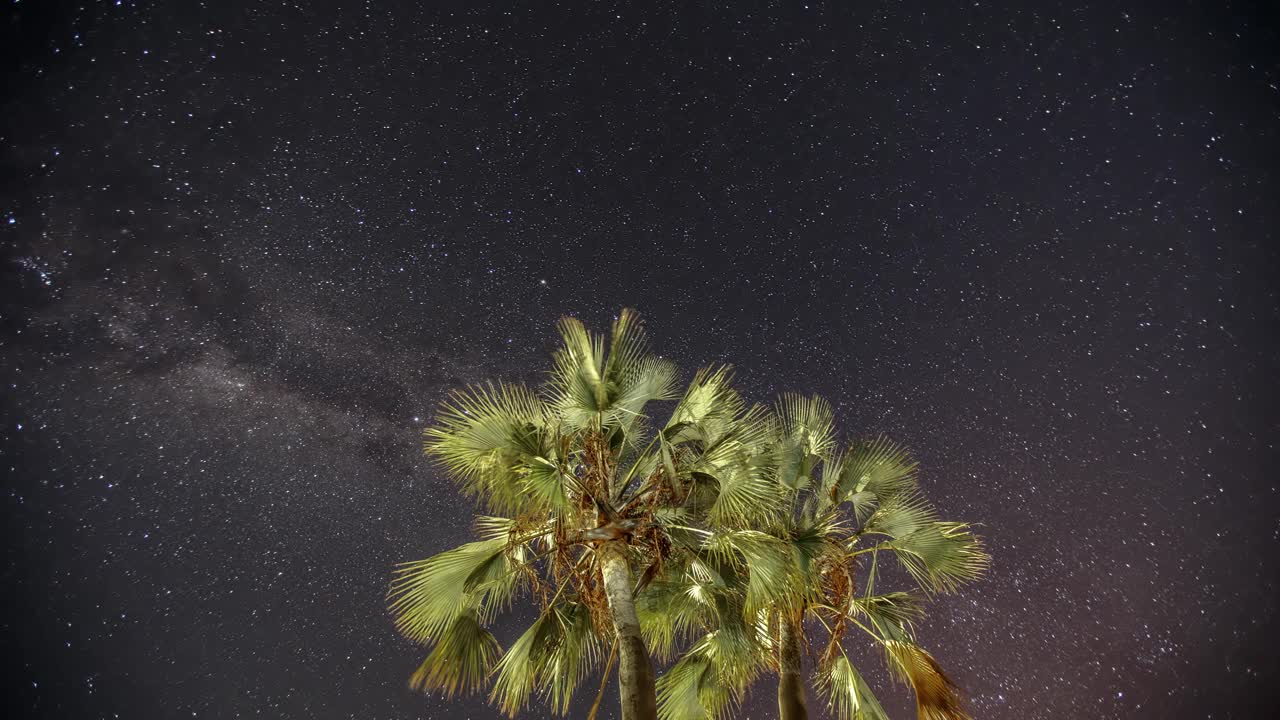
(587, 496)
(838, 511)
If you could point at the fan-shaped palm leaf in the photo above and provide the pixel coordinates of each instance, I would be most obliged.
(461, 659)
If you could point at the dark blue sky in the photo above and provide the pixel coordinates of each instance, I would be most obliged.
(247, 247)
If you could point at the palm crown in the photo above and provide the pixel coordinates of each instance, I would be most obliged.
(585, 492)
(838, 511)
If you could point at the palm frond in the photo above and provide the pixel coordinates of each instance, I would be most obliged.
(427, 595)
(941, 556)
(888, 609)
(552, 656)
(809, 419)
(628, 345)
(710, 397)
(518, 671)
(937, 695)
(646, 380)
(880, 467)
(670, 610)
(764, 559)
(735, 476)
(576, 386)
(900, 517)
(807, 430)
(745, 497)
(461, 659)
(734, 649)
(491, 438)
(694, 689)
(811, 541)
(572, 657)
(492, 527)
(848, 696)
(681, 689)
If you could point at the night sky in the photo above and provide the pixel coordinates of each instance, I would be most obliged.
(246, 250)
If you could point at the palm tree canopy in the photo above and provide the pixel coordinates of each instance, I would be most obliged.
(739, 517)
(566, 468)
(832, 509)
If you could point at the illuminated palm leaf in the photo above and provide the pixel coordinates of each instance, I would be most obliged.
(900, 517)
(803, 554)
(807, 433)
(461, 659)
(937, 696)
(848, 696)
(941, 555)
(882, 467)
(428, 595)
(687, 688)
(890, 609)
(709, 404)
(576, 653)
(519, 670)
(496, 441)
(671, 610)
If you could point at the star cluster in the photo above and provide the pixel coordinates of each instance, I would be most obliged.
(247, 248)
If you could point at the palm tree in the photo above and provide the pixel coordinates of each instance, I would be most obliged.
(836, 509)
(586, 496)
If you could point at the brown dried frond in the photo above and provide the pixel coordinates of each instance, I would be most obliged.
(540, 587)
(562, 563)
(838, 583)
(938, 697)
(525, 523)
(664, 494)
(832, 649)
(590, 586)
(598, 466)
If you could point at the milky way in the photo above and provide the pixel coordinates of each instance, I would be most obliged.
(246, 250)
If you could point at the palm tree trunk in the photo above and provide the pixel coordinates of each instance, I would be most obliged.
(792, 704)
(635, 670)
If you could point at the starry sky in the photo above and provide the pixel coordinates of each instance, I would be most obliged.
(247, 247)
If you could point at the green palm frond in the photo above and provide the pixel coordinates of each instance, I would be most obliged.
(848, 696)
(518, 671)
(573, 657)
(695, 687)
(645, 381)
(427, 595)
(710, 401)
(734, 649)
(494, 439)
(628, 347)
(894, 609)
(766, 562)
(880, 467)
(491, 527)
(683, 689)
(552, 656)
(576, 387)
(589, 390)
(721, 462)
(941, 555)
(807, 434)
(811, 541)
(900, 517)
(746, 496)
(808, 419)
(461, 659)
(794, 466)
(670, 610)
